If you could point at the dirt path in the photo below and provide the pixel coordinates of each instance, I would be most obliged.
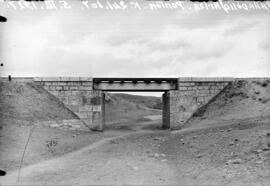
(115, 160)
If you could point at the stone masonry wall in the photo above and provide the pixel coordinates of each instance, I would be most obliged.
(192, 93)
(78, 95)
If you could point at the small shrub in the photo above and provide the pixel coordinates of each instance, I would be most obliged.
(238, 94)
(240, 84)
(263, 100)
(51, 144)
(264, 83)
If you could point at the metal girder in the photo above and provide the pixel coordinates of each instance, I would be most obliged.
(135, 84)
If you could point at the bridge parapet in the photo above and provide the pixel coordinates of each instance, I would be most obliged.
(56, 84)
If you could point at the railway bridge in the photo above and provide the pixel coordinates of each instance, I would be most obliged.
(181, 96)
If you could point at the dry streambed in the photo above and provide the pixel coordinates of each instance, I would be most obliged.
(227, 155)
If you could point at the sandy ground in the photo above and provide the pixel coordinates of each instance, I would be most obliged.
(236, 153)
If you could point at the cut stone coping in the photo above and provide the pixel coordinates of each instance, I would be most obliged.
(63, 79)
(206, 79)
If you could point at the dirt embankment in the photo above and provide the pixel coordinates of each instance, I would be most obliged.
(239, 100)
(28, 102)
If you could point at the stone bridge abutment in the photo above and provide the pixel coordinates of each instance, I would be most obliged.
(85, 96)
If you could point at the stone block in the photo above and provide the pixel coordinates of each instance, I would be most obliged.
(85, 88)
(62, 93)
(47, 79)
(62, 83)
(51, 88)
(212, 91)
(95, 101)
(74, 78)
(82, 114)
(208, 98)
(73, 101)
(188, 92)
(70, 83)
(75, 92)
(64, 100)
(39, 83)
(184, 79)
(89, 114)
(64, 78)
(67, 93)
(47, 83)
(86, 108)
(87, 83)
(212, 87)
(206, 79)
(74, 88)
(183, 88)
(55, 93)
(86, 78)
(221, 87)
(74, 108)
(204, 92)
(200, 99)
(58, 88)
(65, 88)
(184, 84)
(96, 108)
(46, 87)
(38, 79)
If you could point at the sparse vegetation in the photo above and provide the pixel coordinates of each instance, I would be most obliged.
(263, 100)
(263, 83)
(51, 144)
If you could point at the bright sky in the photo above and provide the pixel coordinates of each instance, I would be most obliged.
(135, 43)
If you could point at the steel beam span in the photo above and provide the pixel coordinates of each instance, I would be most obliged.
(135, 84)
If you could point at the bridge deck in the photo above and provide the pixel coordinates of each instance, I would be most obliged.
(135, 84)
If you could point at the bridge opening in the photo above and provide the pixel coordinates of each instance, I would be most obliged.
(130, 110)
(135, 85)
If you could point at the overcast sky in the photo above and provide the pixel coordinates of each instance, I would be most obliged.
(133, 43)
